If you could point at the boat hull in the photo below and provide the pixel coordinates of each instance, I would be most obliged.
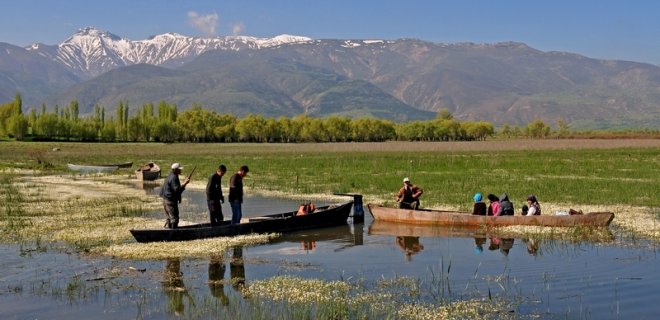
(326, 216)
(91, 168)
(147, 175)
(467, 219)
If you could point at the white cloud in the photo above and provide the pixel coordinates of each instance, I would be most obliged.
(204, 23)
(237, 28)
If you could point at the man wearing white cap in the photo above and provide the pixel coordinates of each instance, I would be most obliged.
(408, 195)
(171, 194)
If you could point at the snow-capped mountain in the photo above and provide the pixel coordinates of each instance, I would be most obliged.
(91, 52)
(402, 79)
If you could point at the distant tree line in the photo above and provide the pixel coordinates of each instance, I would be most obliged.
(163, 123)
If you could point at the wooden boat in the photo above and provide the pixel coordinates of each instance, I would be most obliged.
(466, 219)
(148, 172)
(120, 165)
(326, 216)
(86, 168)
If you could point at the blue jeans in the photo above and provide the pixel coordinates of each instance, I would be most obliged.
(236, 212)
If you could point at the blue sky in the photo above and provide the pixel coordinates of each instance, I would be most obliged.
(604, 29)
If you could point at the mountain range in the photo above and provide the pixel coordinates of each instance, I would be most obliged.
(401, 80)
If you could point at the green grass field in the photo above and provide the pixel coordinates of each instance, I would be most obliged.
(582, 172)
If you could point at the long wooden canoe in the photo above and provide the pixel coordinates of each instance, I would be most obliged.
(325, 216)
(466, 219)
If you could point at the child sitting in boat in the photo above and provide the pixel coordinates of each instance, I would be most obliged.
(494, 205)
(306, 208)
(479, 206)
(532, 208)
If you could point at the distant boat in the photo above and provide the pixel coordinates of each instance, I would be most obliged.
(87, 168)
(467, 219)
(322, 217)
(84, 168)
(148, 172)
(121, 165)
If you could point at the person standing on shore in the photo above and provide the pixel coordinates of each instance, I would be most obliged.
(214, 196)
(171, 194)
(236, 194)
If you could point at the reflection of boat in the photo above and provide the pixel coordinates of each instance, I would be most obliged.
(150, 171)
(325, 216)
(387, 228)
(98, 167)
(466, 219)
(379, 227)
(337, 234)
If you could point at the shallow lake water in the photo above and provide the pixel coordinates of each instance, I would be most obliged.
(605, 279)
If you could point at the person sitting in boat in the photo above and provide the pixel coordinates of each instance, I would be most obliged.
(533, 207)
(408, 195)
(479, 206)
(306, 208)
(506, 207)
(494, 205)
(147, 166)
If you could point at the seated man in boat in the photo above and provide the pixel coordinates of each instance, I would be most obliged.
(408, 195)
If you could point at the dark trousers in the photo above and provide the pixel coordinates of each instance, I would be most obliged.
(215, 212)
(172, 211)
(409, 205)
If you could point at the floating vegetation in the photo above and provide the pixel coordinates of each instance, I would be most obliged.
(346, 300)
(590, 234)
(175, 249)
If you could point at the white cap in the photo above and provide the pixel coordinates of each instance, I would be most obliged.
(176, 165)
(406, 179)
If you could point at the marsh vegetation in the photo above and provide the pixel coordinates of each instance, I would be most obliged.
(44, 207)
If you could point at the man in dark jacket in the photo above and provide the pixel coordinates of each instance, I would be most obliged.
(214, 196)
(171, 194)
(236, 194)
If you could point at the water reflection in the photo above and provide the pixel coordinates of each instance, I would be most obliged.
(217, 279)
(407, 237)
(174, 287)
(532, 246)
(479, 244)
(346, 235)
(503, 244)
(237, 269)
(409, 245)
